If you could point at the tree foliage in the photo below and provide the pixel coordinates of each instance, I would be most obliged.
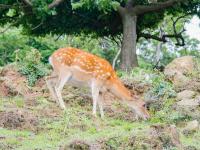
(88, 16)
(99, 17)
(13, 41)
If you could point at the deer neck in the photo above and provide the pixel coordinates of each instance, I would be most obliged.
(119, 90)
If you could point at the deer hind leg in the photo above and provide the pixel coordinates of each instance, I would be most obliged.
(59, 86)
(100, 104)
(51, 82)
(95, 96)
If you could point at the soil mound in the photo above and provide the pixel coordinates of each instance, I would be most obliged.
(13, 83)
(18, 119)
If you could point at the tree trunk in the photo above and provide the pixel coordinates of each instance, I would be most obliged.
(128, 53)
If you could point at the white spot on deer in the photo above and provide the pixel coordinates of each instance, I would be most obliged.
(108, 73)
(82, 63)
(76, 59)
(58, 58)
(97, 67)
(100, 64)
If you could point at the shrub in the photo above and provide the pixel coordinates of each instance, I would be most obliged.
(8, 44)
(30, 65)
(13, 39)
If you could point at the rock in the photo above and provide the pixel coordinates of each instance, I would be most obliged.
(189, 103)
(178, 70)
(80, 145)
(186, 94)
(189, 107)
(175, 136)
(188, 112)
(197, 98)
(149, 97)
(183, 65)
(190, 148)
(168, 135)
(191, 127)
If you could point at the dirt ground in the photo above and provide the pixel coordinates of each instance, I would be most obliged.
(29, 119)
(18, 119)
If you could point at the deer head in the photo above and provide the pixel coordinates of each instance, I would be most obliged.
(139, 106)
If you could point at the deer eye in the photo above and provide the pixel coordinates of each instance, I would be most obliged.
(144, 105)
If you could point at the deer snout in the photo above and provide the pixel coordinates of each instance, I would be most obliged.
(146, 116)
(142, 113)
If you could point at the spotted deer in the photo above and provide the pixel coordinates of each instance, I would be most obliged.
(80, 68)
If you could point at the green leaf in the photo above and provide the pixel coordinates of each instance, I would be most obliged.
(11, 13)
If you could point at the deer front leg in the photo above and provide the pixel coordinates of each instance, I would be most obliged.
(60, 84)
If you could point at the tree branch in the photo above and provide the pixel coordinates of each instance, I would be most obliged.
(27, 2)
(37, 26)
(155, 37)
(181, 17)
(116, 58)
(121, 10)
(55, 3)
(1, 32)
(164, 37)
(118, 41)
(141, 9)
(129, 3)
(5, 6)
(58, 37)
(180, 40)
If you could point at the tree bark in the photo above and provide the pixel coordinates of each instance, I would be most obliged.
(128, 53)
(129, 15)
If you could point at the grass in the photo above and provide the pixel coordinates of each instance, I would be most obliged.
(74, 123)
(77, 122)
(12, 138)
(192, 140)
